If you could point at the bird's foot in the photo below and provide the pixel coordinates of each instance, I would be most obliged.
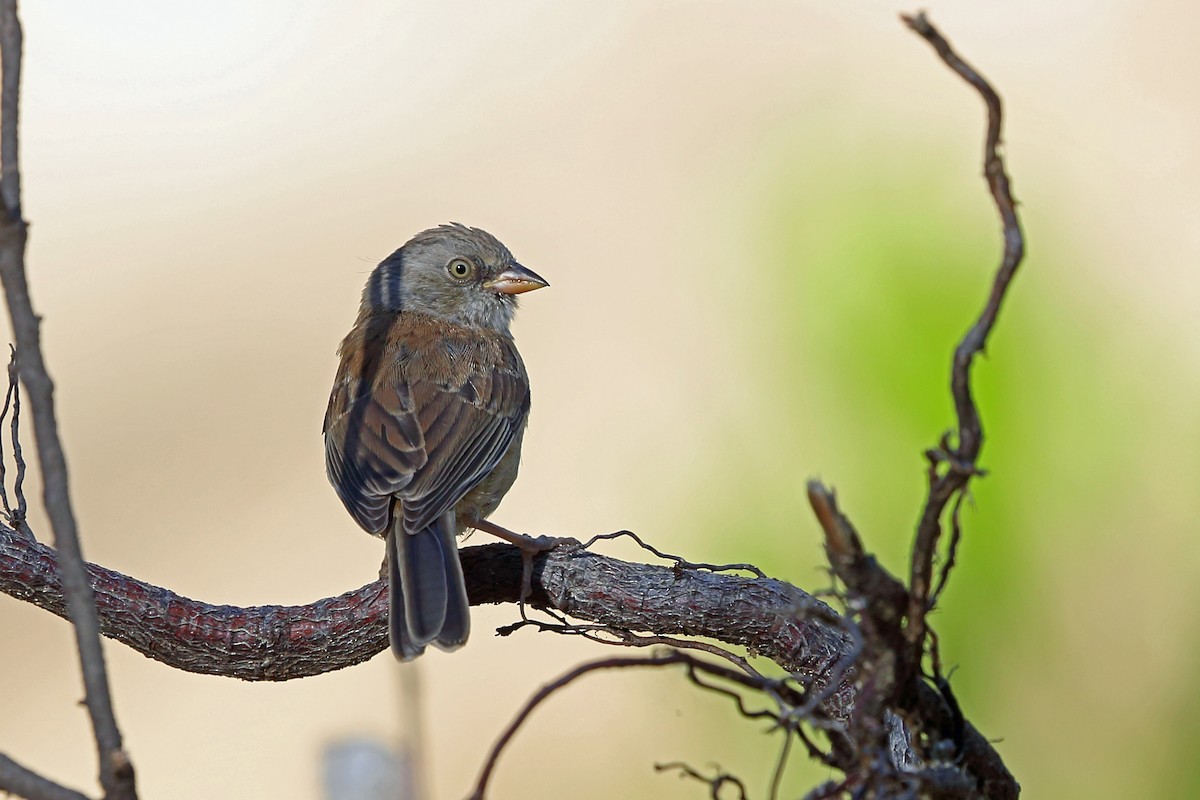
(530, 547)
(527, 544)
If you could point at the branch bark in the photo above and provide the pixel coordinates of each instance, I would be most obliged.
(277, 643)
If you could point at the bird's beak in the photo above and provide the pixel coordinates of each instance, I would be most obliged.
(516, 280)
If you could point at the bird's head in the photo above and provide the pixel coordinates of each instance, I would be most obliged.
(460, 274)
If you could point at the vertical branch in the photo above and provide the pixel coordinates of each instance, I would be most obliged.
(13, 386)
(16, 516)
(953, 465)
(10, 60)
(116, 770)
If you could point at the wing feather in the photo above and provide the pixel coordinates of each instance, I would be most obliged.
(436, 417)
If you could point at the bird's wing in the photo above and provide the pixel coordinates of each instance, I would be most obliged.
(439, 416)
(467, 431)
(373, 447)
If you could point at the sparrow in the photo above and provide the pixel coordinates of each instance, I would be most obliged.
(424, 425)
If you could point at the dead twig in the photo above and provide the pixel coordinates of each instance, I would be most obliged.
(953, 465)
(12, 402)
(678, 561)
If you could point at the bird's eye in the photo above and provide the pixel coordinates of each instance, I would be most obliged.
(460, 269)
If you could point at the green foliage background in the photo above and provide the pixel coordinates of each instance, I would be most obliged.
(1071, 619)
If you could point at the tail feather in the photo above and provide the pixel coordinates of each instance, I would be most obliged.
(423, 578)
(428, 593)
(457, 625)
(403, 646)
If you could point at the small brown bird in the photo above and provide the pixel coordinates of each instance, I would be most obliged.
(424, 425)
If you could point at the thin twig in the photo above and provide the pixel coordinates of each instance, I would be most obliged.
(781, 762)
(18, 456)
(951, 549)
(774, 690)
(679, 561)
(813, 751)
(116, 771)
(935, 654)
(14, 383)
(489, 765)
(622, 637)
(959, 460)
(715, 783)
(694, 666)
(16, 516)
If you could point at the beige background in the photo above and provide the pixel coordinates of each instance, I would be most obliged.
(208, 189)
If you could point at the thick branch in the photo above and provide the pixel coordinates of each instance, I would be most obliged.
(772, 618)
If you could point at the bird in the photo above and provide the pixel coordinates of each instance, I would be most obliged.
(426, 416)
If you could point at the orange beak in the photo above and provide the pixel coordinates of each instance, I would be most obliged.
(516, 280)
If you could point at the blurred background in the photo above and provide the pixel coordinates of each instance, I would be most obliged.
(764, 225)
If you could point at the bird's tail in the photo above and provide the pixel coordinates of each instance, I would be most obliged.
(428, 595)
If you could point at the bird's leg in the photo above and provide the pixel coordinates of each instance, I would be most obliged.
(528, 544)
(530, 547)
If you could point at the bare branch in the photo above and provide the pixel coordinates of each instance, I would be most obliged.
(958, 461)
(12, 404)
(10, 107)
(116, 770)
(23, 782)
(772, 618)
